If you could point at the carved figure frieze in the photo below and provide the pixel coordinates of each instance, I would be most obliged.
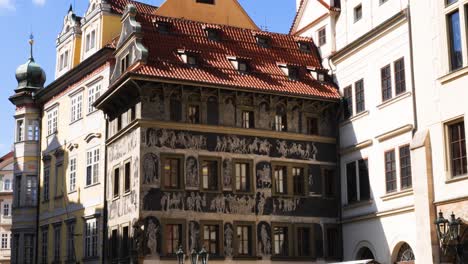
(235, 144)
(228, 240)
(194, 235)
(150, 169)
(263, 175)
(285, 205)
(123, 146)
(227, 174)
(172, 139)
(233, 204)
(264, 239)
(299, 150)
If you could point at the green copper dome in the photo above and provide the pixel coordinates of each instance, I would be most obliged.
(30, 75)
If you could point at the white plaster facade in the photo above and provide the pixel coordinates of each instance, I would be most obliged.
(357, 49)
(6, 202)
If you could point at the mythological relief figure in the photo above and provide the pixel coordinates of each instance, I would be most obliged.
(294, 124)
(150, 168)
(227, 174)
(233, 204)
(172, 139)
(264, 115)
(263, 175)
(261, 203)
(192, 172)
(309, 152)
(194, 231)
(151, 137)
(265, 239)
(285, 205)
(157, 104)
(228, 236)
(234, 144)
(152, 241)
(229, 113)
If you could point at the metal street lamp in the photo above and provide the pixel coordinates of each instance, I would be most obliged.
(448, 233)
(204, 256)
(194, 256)
(180, 255)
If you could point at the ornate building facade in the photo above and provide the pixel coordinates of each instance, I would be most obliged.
(6, 202)
(166, 129)
(367, 46)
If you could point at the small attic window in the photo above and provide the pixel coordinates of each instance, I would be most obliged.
(241, 65)
(210, 2)
(124, 63)
(293, 73)
(263, 41)
(163, 27)
(212, 34)
(188, 57)
(318, 74)
(304, 46)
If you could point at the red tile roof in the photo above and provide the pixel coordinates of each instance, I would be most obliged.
(118, 6)
(7, 156)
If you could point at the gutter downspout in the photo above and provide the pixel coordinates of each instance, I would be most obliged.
(104, 213)
(38, 200)
(413, 83)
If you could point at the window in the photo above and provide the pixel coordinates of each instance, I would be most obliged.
(57, 243)
(263, 41)
(76, 107)
(92, 167)
(386, 81)
(357, 175)
(358, 13)
(455, 45)
(28, 249)
(212, 239)
(172, 172)
(211, 2)
(281, 180)
(329, 182)
(333, 243)
(173, 237)
(71, 241)
(17, 192)
(405, 167)
(400, 82)
(193, 114)
(44, 250)
(93, 93)
(31, 190)
(114, 244)
(72, 177)
(91, 238)
(359, 93)
(6, 209)
(293, 73)
(312, 126)
(382, 2)
(242, 66)
(322, 36)
(20, 130)
(348, 100)
(33, 130)
(390, 171)
(125, 242)
(124, 63)
(175, 111)
(213, 34)
(298, 181)
(280, 241)
(4, 241)
(116, 182)
(212, 107)
(457, 145)
(304, 46)
(7, 185)
(132, 114)
(248, 119)
(303, 238)
(46, 191)
(52, 116)
(127, 177)
(244, 240)
(90, 40)
(243, 178)
(58, 180)
(280, 119)
(119, 122)
(449, 2)
(63, 60)
(210, 175)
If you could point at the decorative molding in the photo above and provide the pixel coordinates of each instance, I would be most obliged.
(394, 133)
(394, 100)
(72, 146)
(77, 91)
(451, 201)
(396, 195)
(381, 214)
(451, 76)
(356, 147)
(91, 136)
(354, 118)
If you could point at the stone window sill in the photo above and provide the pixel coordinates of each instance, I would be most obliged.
(358, 204)
(396, 195)
(354, 118)
(394, 100)
(457, 178)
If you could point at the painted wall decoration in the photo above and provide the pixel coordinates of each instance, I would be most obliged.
(123, 146)
(150, 169)
(191, 173)
(261, 205)
(228, 240)
(165, 138)
(227, 174)
(264, 116)
(229, 113)
(174, 201)
(233, 204)
(263, 171)
(264, 239)
(194, 235)
(152, 229)
(196, 202)
(282, 205)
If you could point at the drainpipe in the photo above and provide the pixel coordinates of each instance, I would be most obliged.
(413, 83)
(38, 195)
(104, 213)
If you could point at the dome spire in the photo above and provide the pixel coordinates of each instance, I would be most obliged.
(31, 43)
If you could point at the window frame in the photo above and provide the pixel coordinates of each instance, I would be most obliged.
(94, 92)
(181, 159)
(289, 178)
(312, 253)
(89, 238)
(348, 97)
(201, 159)
(399, 76)
(76, 107)
(408, 167)
(450, 39)
(251, 173)
(166, 222)
(322, 38)
(357, 12)
(289, 240)
(386, 82)
(72, 174)
(220, 243)
(92, 162)
(360, 96)
(448, 148)
(127, 176)
(393, 171)
(253, 239)
(116, 176)
(52, 121)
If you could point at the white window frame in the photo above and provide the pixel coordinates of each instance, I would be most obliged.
(72, 175)
(52, 120)
(7, 183)
(20, 130)
(33, 130)
(93, 93)
(4, 244)
(6, 207)
(90, 40)
(92, 166)
(91, 238)
(76, 107)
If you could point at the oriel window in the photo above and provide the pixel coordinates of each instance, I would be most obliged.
(210, 177)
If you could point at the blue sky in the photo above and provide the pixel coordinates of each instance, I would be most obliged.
(45, 17)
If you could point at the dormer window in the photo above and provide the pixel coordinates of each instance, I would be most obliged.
(189, 58)
(63, 60)
(293, 72)
(124, 63)
(212, 34)
(210, 2)
(90, 41)
(239, 64)
(163, 27)
(304, 47)
(317, 74)
(263, 41)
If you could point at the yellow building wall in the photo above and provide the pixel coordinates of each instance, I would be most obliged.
(224, 12)
(76, 52)
(111, 28)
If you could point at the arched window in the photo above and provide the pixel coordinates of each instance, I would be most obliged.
(364, 253)
(176, 109)
(212, 111)
(280, 118)
(405, 255)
